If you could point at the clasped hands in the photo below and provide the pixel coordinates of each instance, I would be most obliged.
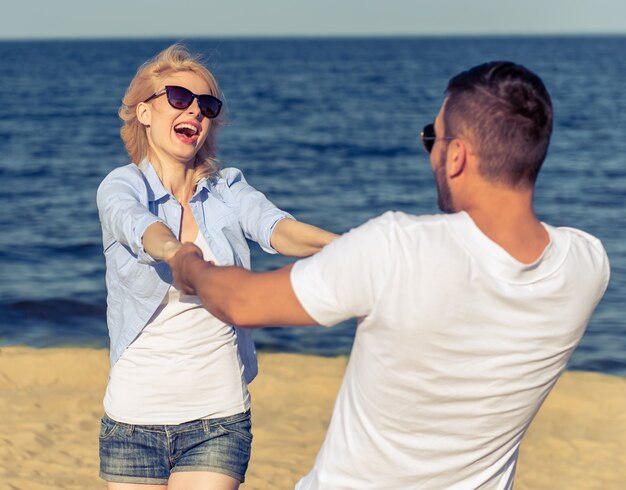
(185, 265)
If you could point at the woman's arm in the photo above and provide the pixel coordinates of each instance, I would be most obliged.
(263, 222)
(125, 217)
(159, 242)
(297, 239)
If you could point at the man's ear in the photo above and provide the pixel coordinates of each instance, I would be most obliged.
(456, 158)
(144, 115)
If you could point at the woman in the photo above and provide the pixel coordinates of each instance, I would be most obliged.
(177, 404)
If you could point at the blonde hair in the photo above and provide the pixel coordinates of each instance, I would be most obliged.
(147, 81)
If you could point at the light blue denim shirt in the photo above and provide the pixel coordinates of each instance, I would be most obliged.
(131, 198)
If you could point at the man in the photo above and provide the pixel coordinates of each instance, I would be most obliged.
(466, 319)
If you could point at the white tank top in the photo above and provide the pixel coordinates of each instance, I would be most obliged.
(183, 366)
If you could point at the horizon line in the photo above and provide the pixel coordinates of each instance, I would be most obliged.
(317, 36)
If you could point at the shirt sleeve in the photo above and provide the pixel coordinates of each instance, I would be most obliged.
(257, 215)
(345, 279)
(123, 209)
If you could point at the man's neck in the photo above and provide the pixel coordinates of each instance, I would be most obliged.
(507, 218)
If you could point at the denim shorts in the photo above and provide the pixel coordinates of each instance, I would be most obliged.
(148, 454)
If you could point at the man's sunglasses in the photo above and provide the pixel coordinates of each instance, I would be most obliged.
(429, 137)
(181, 98)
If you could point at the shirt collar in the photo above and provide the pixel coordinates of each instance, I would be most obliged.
(203, 184)
(156, 191)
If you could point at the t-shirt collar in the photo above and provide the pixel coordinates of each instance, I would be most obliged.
(498, 261)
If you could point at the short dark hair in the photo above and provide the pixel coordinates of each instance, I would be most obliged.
(505, 111)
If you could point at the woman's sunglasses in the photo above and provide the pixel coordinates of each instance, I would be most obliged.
(429, 137)
(180, 98)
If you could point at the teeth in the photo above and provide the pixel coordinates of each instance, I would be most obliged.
(182, 126)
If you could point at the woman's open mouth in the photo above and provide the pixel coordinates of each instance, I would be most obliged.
(187, 133)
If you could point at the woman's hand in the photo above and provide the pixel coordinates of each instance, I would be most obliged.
(297, 239)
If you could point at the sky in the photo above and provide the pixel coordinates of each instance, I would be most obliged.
(51, 19)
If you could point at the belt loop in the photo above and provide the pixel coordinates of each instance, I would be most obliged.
(206, 426)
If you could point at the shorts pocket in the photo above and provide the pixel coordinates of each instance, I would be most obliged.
(242, 429)
(107, 428)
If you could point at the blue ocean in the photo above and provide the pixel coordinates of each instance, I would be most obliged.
(327, 128)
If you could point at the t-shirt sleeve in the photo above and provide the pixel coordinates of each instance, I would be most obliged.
(345, 279)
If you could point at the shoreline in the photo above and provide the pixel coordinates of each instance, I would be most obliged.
(51, 404)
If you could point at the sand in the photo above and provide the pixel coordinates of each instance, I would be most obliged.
(51, 399)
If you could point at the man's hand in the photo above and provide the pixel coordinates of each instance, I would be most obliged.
(237, 296)
(187, 261)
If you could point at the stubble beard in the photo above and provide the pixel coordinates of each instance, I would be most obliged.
(444, 196)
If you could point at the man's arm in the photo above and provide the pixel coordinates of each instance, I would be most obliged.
(237, 296)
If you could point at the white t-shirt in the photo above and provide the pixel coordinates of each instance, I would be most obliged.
(183, 366)
(457, 346)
